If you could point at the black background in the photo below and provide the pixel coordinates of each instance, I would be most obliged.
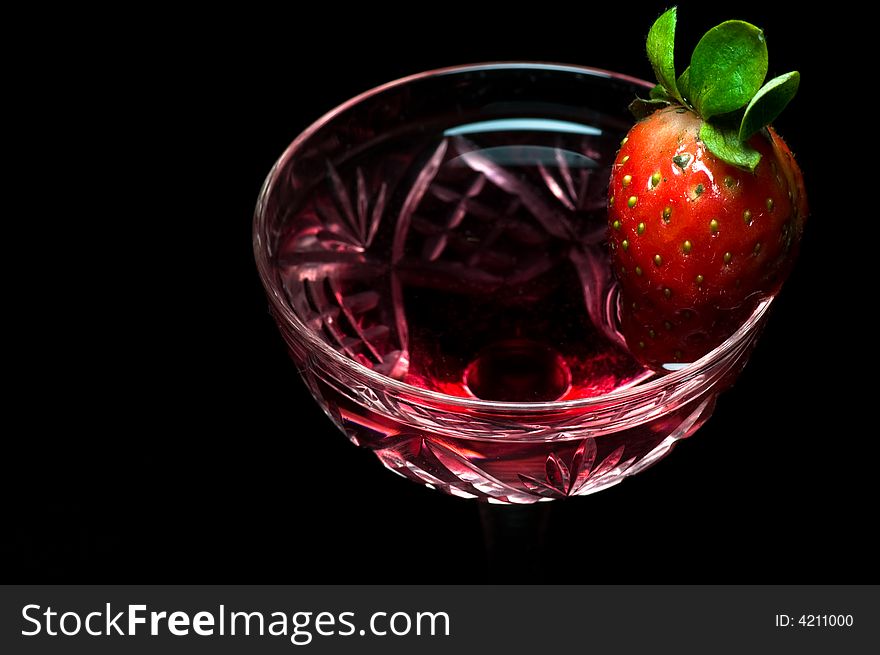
(164, 435)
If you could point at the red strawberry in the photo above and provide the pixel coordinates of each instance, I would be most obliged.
(703, 223)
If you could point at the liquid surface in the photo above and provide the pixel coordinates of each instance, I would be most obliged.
(470, 261)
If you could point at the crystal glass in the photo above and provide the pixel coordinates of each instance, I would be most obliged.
(434, 254)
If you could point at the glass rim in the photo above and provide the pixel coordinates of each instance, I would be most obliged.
(327, 353)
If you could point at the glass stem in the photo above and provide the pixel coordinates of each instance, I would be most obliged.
(514, 539)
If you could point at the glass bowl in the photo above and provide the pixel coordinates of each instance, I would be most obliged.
(434, 255)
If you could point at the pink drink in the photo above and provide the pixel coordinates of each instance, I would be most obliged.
(461, 263)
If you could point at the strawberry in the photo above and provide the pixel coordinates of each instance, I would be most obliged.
(706, 203)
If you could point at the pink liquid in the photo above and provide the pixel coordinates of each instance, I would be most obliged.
(473, 263)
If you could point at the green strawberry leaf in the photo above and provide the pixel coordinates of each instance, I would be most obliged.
(684, 84)
(727, 68)
(659, 93)
(768, 103)
(723, 142)
(660, 46)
